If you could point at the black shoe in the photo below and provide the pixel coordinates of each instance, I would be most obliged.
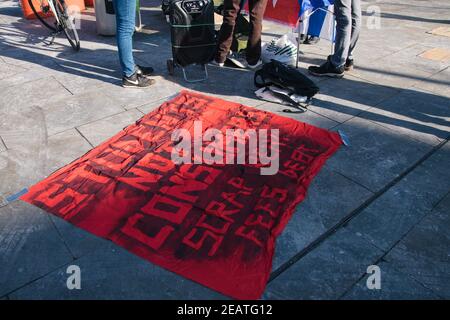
(327, 69)
(349, 64)
(312, 40)
(303, 37)
(144, 71)
(136, 81)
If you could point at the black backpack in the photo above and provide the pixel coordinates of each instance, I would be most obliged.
(287, 77)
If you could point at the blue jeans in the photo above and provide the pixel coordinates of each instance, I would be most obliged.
(125, 23)
(348, 26)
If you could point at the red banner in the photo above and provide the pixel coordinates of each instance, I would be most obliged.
(283, 11)
(213, 223)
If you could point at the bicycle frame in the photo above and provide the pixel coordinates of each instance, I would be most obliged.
(51, 4)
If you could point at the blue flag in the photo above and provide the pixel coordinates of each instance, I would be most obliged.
(314, 4)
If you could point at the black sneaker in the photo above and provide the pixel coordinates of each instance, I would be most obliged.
(312, 40)
(349, 64)
(327, 69)
(303, 37)
(136, 81)
(144, 71)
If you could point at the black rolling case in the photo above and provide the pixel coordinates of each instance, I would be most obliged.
(192, 33)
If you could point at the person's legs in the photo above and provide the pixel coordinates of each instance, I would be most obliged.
(256, 8)
(125, 23)
(225, 39)
(343, 12)
(356, 26)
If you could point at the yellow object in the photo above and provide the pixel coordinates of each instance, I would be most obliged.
(436, 54)
(441, 31)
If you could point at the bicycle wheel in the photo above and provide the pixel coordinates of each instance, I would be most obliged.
(67, 24)
(41, 19)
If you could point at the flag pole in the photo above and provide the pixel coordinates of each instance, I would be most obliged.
(298, 40)
(333, 34)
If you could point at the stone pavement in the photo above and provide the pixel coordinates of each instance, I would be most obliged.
(384, 200)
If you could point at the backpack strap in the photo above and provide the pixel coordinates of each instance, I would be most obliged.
(260, 74)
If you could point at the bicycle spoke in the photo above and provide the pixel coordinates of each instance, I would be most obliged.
(67, 24)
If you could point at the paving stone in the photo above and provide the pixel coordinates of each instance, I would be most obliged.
(389, 31)
(89, 69)
(36, 156)
(24, 95)
(395, 285)
(24, 133)
(77, 110)
(436, 41)
(376, 155)
(11, 9)
(93, 41)
(371, 49)
(415, 57)
(130, 99)
(78, 241)
(388, 73)
(31, 36)
(110, 272)
(34, 159)
(424, 253)
(7, 70)
(394, 213)
(23, 75)
(79, 83)
(441, 31)
(436, 164)
(149, 107)
(326, 272)
(438, 84)
(238, 89)
(330, 197)
(402, 17)
(419, 114)
(29, 244)
(96, 63)
(309, 117)
(28, 57)
(101, 130)
(9, 3)
(436, 54)
(68, 146)
(246, 101)
(342, 99)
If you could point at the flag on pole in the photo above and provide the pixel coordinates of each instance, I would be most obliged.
(317, 16)
(319, 22)
(282, 11)
(306, 5)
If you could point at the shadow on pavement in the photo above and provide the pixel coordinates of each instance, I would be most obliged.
(153, 48)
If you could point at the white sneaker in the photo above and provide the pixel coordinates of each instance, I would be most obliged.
(217, 64)
(255, 66)
(238, 59)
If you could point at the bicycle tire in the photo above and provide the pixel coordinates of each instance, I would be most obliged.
(67, 25)
(41, 19)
